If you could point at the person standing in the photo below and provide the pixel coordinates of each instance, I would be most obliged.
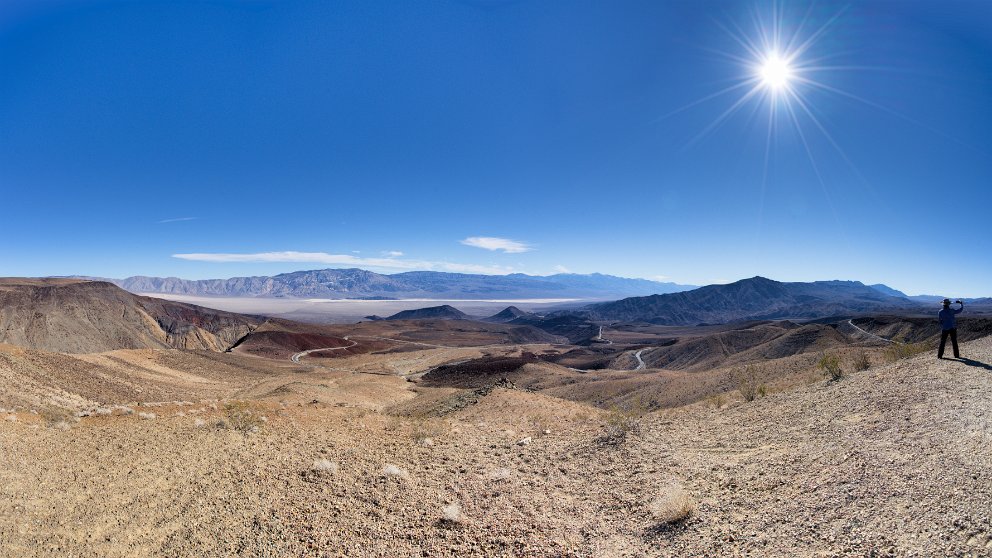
(949, 327)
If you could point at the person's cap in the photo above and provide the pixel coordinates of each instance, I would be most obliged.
(946, 301)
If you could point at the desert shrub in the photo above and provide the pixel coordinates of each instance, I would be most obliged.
(452, 514)
(762, 390)
(325, 466)
(392, 471)
(673, 505)
(242, 417)
(860, 361)
(147, 416)
(716, 400)
(57, 417)
(747, 383)
(898, 351)
(830, 365)
(620, 421)
(501, 474)
(426, 431)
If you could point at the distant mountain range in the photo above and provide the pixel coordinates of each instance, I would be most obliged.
(756, 298)
(924, 298)
(362, 284)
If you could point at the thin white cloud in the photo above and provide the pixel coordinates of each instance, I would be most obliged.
(177, 219)
(392, 253)
(343, 259)
(660, 277)
(562, 269)
(493, 243)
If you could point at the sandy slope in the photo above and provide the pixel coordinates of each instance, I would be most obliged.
(892, 461)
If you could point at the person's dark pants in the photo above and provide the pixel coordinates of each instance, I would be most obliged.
(954, 342)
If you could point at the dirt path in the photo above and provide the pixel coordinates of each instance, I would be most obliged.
(296, 357)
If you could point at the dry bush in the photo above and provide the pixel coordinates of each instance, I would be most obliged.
(620, 421)
(392, 471)
(425, 431)
(860, 362)
(501, 474)
(57, 417)
(747, 383)
(147, 416)
(452, 514)
(830, 365)
(673, 505)
(325, 466)
(717, 400)
(898, 351)
(242, 417)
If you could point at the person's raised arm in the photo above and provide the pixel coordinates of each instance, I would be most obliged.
(958, 311)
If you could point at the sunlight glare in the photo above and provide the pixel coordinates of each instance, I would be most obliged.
(775, 72)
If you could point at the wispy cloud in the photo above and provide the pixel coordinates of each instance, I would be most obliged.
(343, 259)
(392, 253)
(660, 277)
(562, 269)
(494, 243)
(177, 219)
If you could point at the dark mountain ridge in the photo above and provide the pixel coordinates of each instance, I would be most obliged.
(507, 314)
(757, 298)
(443, 312)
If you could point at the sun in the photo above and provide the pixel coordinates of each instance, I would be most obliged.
(775, 72)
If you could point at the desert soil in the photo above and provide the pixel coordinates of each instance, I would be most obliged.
(893, 461)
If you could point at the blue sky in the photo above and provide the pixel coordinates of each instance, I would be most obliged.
(253, 138)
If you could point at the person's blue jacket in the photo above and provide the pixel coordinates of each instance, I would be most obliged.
(946, 317)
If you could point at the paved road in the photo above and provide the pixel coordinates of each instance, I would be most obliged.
(296, 358)
(640, 363)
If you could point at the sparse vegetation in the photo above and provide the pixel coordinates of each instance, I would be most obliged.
(672, 506)
(747, 383)
(147, 416)
(57, 417)
(325, 466)
(242, 417)
(452, 514)
(898, 351)
(830, 365)
(426, 431)
(716, 401)
(861, 362)
(620, 421)
(501, 474)
(392, 471)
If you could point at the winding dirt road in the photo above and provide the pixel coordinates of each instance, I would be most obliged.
(640, 363)
(296, 357)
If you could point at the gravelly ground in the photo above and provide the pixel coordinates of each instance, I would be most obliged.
(892, 461)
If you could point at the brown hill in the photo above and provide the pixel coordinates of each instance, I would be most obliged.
(73, 316)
